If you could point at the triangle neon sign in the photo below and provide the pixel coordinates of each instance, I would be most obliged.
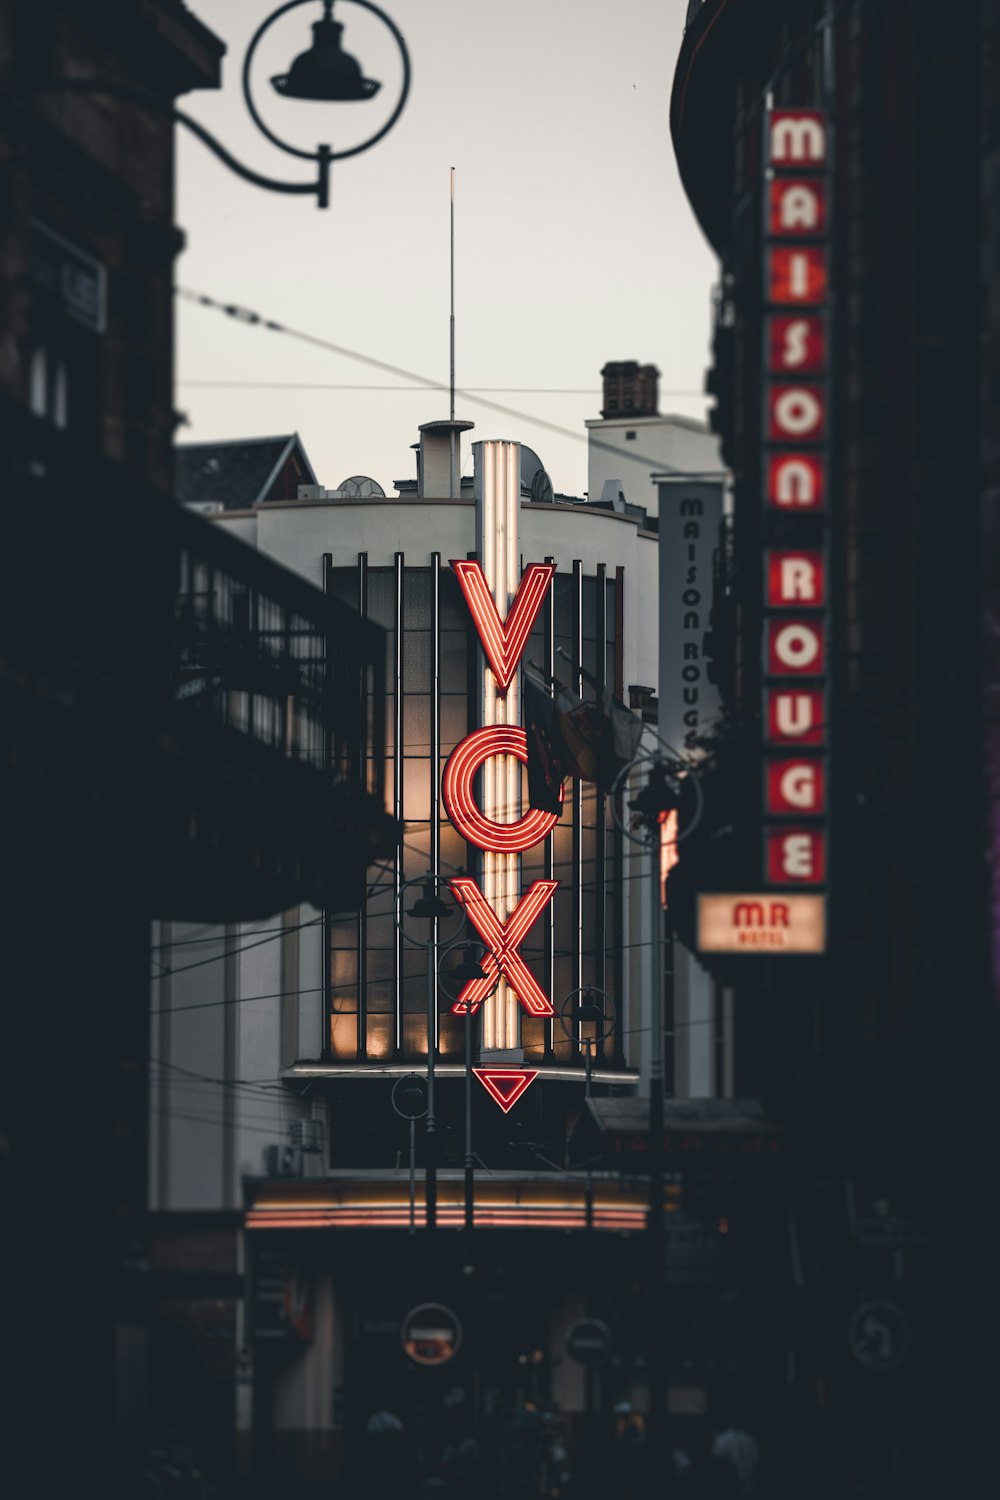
(506, 1085)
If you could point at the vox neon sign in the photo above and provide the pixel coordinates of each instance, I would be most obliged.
(504, 641)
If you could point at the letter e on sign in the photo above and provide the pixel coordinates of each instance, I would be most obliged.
(796, 787)
(796, 856)
(795, 648)
(795, 580)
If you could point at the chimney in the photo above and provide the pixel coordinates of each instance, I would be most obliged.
(630, 389)
(439, 461)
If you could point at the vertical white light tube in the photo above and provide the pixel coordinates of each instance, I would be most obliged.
(498, 514)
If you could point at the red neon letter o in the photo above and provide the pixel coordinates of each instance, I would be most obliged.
(456, 788)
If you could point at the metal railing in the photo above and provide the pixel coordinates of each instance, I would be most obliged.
(115, 598)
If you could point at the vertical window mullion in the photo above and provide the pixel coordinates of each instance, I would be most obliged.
(577, 786)
(600, 802)
(435, 765)
(397, 780)
(362, 922)
(550, 916)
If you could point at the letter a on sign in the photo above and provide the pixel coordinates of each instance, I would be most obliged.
(504, 640)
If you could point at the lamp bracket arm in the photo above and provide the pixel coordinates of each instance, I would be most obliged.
(320, 188)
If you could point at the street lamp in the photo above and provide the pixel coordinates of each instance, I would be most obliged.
(428, 907)
(469, 969)
(323, 73)
(409, 1100)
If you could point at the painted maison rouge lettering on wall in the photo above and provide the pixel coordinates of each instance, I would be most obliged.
(504, 641)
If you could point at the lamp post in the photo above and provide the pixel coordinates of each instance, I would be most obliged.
(595, 1009)
(467, 971)
(324, 73)
(411, 1105)
(431, 908)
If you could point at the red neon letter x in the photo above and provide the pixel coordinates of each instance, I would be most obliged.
(503, 941)
(504, 640)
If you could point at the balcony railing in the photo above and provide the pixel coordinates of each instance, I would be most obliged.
(147, 630)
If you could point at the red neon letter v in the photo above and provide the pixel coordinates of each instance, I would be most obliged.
(504, 640)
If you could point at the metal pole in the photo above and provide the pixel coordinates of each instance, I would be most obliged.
(469, 1158)
(413, 1176)
(656, 1357)
(431, 1142)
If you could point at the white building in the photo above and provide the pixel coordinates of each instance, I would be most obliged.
(277, 1045)
(631, 440)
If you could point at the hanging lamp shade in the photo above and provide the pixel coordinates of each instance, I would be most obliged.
(326, 72)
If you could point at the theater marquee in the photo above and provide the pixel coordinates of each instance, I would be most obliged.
(761, 922)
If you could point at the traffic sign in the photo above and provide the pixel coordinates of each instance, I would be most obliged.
(879, 1335)
(431, 1334)
(589, 1341)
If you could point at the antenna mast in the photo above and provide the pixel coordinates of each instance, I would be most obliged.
(452, 434)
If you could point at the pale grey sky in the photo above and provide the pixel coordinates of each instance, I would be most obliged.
(574, 242)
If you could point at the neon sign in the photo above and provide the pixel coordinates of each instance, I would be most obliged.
(503, 931)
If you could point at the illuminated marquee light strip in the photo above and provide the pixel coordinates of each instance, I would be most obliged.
(503, 940)
(504, 640)
(459, 799)
(514, 1216)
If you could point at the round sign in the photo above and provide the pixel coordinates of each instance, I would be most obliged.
(589, 1341)
(879, 1335)
(431, 1334)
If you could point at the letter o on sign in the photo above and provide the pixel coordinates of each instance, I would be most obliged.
(795, 648)
(457, 790)
(796, 412)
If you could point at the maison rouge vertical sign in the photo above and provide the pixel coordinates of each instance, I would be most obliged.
(503, 641)
(796, 437)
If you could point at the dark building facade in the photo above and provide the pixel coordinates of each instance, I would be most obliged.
(180, 733)
(876, 1052)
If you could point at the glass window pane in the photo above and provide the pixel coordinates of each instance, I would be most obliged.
(381, 597)
(417, 599)
(417, 661)
(344, 1037)
(416, 724)
(380, 1036)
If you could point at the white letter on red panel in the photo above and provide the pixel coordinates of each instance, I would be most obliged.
(797, 136)
(795, 647)
(796, 786)
(795, 579)
(795, 481)
(797, 276)
(798, 206)
(795, 716)
(796, 413)
(796, 856)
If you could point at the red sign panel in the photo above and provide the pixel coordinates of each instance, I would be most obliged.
(797, 205)
(795, 648)
(796, 413)
(795, 481)
(796, 856)
(796, 277)
(796, 580)
(797, 138)
(796, 345)
(796, 788)
(795, 716)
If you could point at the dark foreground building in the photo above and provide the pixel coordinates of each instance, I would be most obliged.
(180, 734)
(842, 160)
